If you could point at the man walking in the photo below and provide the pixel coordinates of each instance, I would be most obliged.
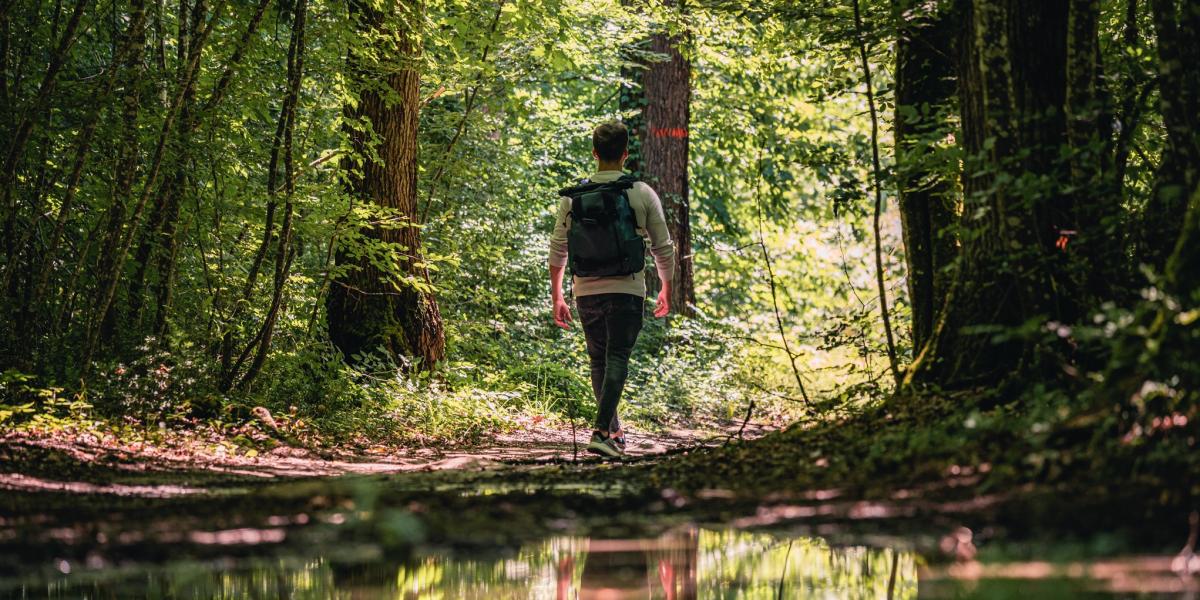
(600, 231)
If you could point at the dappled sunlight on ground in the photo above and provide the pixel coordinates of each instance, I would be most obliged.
(17, 481)
(531, 446)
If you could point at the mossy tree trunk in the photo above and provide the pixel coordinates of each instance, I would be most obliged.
(1097, 248)
(1012, 91)
(1177, 26)
(371, 306)
(631, 100)
(925, 92)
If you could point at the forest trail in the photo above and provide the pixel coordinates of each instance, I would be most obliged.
(86, 464)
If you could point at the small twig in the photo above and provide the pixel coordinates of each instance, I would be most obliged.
(749, 411)
(764, 389)
(305, 168)
(471, 95)
(783, 574)
(771, 279)
(571, 415)
(892, 578)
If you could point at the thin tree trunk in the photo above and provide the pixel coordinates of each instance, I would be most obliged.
(108, 288)
(30, 120)
(877, 176)
(128, 153)
(924, 95)
(191, 119)
(1098, 254)
(284, 252)
(158, 248)
(133, 38)
(766, 254)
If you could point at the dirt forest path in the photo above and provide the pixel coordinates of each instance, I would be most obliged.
(87, 464)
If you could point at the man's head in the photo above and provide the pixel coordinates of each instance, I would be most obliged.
(610, 142)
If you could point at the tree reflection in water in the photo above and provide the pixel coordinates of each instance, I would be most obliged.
(682, 564)
(664, 567)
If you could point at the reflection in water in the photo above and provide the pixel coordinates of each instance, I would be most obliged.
(618, 569)
(683, 564)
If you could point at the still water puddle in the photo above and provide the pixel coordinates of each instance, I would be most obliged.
(685, 563)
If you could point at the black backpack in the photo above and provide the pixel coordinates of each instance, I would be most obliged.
(603, 240)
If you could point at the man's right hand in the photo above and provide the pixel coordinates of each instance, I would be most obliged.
(562, 313)
(663, 303)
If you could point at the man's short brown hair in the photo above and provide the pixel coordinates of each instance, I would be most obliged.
(610, 140)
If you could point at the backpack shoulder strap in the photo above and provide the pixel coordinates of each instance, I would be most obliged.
(627, 182)
(586, 185)
(580, 188)
(576, 203)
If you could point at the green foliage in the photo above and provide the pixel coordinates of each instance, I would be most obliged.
(510, 91)
(780, 149)
(23, 404)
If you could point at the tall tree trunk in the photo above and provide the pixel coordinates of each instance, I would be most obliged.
(45, 264)
(284, 251)
(1013, 89)
(1177, 25)
(925, 91)
(191, 118)
(668, 91)
(631, 102)
(39, 105)
(128, 154)
(1098, 255)
(156, 246)
(369, 308)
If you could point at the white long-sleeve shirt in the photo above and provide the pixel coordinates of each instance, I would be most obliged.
(651, 224)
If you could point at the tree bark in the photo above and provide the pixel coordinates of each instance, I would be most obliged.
(369, 308)
(667, 86)
(1098, 254)
(126, 168)
(1012, 87)
(1177, 25)
(925, 91)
